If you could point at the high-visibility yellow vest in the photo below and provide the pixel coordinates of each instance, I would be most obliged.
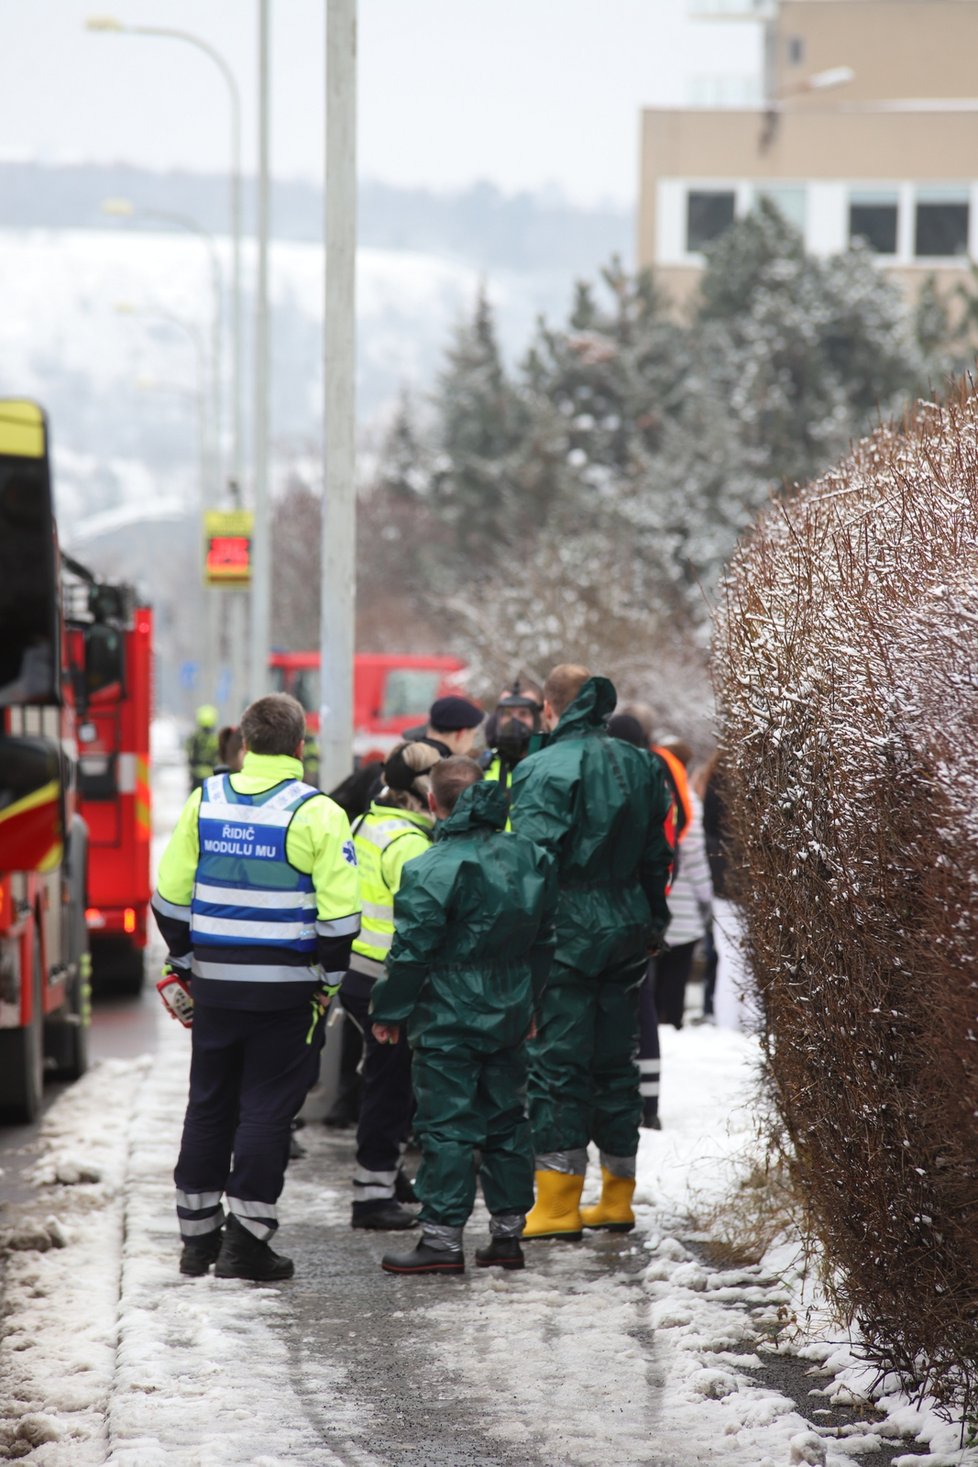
(385, 839)
(494, 771)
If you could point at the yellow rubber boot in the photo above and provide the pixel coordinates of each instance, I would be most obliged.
(614, 1211)
(557, 1212)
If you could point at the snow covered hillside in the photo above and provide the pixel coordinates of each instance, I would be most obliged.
(123, 386)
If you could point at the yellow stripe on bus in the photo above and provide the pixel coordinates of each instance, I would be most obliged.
(21, 428)
(44, 796)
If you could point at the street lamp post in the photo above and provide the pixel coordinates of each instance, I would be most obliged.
(261, 550)
(336, 634)
(109, 25)
(819, 81)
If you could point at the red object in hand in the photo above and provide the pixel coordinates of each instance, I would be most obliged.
(174, 990)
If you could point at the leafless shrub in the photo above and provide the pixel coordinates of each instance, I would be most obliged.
(847, 678)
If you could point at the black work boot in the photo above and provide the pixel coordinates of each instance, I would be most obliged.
(383, 1217)
(502, 1252)
(199, 1253)
(424, 1259)
(243, 1256)
(404, 1187)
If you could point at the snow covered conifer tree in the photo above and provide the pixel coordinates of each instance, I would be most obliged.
(479, 428)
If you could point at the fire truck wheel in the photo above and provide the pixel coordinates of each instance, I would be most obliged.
(22, 1056)
(66, 1033)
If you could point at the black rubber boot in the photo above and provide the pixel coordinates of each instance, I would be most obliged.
(501, 1253)
(404, 1187)
(650, 1118)
(199, 1253)
(386, 1217)
(423, 1259)
(243, 1256)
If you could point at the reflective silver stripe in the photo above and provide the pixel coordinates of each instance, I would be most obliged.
(648, 1088)
(231, 896)
(125, 771)
(338, 926)
(570, 1163)
(363, 1193)
(170, 909)
(442, 1236)
(506, 1224)
(361, 1176)
(253, 972)
(241, 1208)
(197, 1201)
(379, 941)
(649, 1066)
(245, 927)
(332, 980)
(618, 1166)
(366, 966)
(192, 1229)
(380, 834)
(287, 795)
(379, 911)
(245, 814)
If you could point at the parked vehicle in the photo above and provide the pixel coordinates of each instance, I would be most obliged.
(392, 692)
(111, 646)
(44, 958)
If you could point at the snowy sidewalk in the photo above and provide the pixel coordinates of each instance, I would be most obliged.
(623, 1349)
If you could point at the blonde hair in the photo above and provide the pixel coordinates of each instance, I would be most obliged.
(417, 757)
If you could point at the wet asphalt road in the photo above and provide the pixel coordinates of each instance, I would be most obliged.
(122, 1028)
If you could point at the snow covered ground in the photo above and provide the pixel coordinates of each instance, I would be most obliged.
(645, 1356)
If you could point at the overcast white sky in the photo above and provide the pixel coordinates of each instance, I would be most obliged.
(524, 93)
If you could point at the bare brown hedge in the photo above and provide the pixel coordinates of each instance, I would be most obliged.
(847, 677)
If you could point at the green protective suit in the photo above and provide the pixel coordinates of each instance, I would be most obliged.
(596, 805)
(472, 947)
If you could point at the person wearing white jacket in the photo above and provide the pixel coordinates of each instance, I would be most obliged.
(690, 899)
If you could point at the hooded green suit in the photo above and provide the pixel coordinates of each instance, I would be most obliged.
(473, 940)
(597, 806)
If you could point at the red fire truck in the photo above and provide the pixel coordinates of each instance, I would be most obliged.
(391, 691)
(112, 636)
(44, 965)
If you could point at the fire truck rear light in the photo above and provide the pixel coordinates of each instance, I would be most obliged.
(129, 919)
(93, 917)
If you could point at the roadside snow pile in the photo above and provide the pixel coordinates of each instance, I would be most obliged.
(848, 686)
(57, 1352)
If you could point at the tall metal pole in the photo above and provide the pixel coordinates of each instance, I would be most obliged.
(338, 585)
(261, 556)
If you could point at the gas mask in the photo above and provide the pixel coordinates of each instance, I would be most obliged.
(512, 738)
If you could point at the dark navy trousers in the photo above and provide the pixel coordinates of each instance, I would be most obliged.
(386, 1107)
(249, 1074)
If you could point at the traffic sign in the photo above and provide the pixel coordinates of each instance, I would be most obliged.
(227, 547)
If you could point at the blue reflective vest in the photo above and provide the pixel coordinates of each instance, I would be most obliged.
(252, 914)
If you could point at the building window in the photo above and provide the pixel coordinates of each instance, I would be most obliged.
(873, 218)
(708, 213)
(796, 50)
(941, 226)
(790, 200)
